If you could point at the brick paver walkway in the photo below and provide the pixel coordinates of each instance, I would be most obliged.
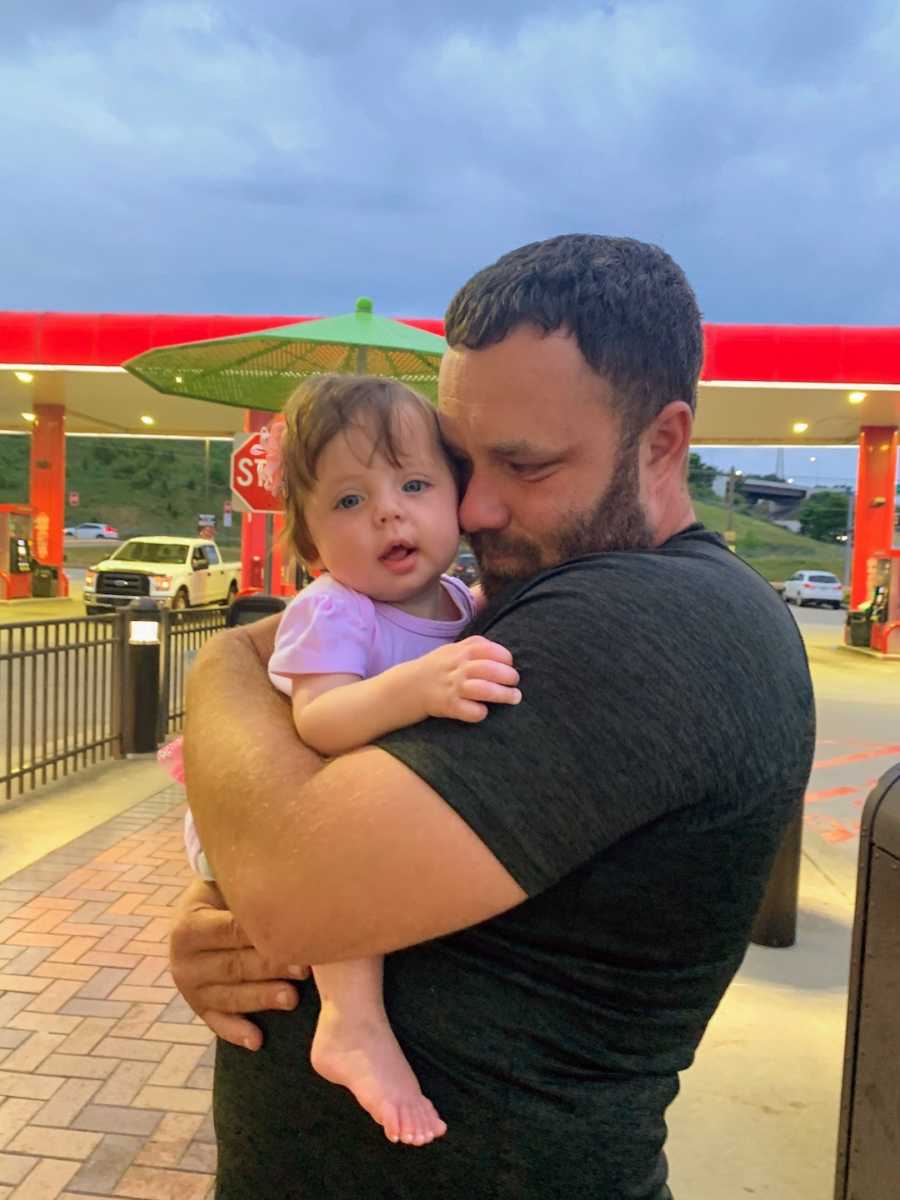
(105, 1073)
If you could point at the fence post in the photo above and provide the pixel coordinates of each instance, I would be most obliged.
(142, 677)
(165, 686)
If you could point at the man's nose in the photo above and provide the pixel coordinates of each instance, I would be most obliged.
(481, 507)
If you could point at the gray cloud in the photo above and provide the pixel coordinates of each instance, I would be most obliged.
(209, 155)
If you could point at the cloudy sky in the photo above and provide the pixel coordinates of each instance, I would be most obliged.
(285, 157)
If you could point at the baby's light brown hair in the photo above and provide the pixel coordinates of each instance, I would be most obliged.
(321, 408)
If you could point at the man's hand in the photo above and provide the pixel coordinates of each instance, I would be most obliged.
(461, 679)
(219, 972)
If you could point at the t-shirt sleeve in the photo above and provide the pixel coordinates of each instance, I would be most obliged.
(602, 744)
(324, 632)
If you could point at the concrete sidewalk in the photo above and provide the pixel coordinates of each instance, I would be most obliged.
(758, 1111)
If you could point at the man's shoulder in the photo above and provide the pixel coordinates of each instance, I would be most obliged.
(688, 600)
(694, 562)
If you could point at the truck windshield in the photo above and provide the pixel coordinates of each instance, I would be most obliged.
(153, 552)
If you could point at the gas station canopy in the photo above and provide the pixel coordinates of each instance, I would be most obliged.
(760, 383)
(61, 374)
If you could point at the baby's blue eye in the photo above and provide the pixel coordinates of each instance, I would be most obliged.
(415, 485)
(349, 501)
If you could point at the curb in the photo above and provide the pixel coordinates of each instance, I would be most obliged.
(877, 654)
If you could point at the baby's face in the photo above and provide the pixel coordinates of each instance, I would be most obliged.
(384, 530)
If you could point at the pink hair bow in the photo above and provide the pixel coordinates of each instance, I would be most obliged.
(272, 470)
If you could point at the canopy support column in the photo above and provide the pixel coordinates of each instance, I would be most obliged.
(875, 503)
(48, 475)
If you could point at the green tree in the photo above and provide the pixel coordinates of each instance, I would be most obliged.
(700, 476)
(823, 515)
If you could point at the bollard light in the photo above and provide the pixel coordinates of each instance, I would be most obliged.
(143, 622)
(143, 633)
(141, 677)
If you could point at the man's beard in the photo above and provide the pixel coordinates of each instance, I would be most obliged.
(616, 522)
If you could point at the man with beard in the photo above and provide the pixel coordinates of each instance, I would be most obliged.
(565, 890)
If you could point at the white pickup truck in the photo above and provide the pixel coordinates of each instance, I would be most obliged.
(175, 572)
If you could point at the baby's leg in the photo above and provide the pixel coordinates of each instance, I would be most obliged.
(355, 1046)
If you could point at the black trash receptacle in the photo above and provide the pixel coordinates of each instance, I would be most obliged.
(859, 628)
(44, 582)
(247, 609)
(868, 1161)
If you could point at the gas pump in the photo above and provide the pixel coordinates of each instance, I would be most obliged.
(15, 551)
(877, 623)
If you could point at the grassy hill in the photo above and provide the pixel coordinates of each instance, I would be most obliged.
(146, 486)
(775, 552)
(159, 486)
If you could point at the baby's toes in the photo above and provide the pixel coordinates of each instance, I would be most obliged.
(435, 1125)
(391, 1122)
(414, 1130)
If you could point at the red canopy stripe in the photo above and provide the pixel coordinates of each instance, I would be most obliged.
(733, 353)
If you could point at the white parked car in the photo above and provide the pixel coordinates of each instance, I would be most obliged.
(174, 572)
(91, 529)
(814, 587)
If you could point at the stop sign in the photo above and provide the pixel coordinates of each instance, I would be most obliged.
(246, 477)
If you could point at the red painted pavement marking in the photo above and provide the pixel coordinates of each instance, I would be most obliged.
(829, 794)
(876, 752)
(831, 829)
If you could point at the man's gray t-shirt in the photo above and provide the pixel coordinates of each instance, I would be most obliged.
(638, 795)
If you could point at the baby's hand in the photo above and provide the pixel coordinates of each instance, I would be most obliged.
(461, 679)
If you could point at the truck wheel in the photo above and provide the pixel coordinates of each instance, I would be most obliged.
(180, 600)
(232, 595)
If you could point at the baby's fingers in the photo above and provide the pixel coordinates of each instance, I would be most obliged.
(487, 692)
(481, 648)
(469, 711)
(494, 672)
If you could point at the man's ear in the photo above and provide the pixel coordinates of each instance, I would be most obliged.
(666, 444)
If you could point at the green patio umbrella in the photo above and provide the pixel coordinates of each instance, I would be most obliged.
(260, 370)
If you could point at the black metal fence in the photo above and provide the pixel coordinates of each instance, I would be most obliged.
(62, 691)
(184, 632)
(60, 686)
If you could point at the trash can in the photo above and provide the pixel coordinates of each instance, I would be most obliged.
(247, 609)
(859, 628)
(44, 581)
(868, 1158)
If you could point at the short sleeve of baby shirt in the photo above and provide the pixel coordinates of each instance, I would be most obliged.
(327, 629)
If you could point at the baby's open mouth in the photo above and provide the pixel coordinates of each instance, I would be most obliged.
(398, 552)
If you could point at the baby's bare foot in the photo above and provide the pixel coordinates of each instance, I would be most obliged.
(366, 1058)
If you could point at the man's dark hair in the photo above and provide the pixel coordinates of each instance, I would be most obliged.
(628, 304)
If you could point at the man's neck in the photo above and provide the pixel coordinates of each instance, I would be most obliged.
(675, 519)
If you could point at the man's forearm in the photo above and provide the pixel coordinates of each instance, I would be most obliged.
(243, 757)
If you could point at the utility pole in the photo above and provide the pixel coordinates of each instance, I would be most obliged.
(730, 535)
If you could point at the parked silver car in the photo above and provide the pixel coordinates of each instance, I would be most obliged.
(814, 587)
(91, 529)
